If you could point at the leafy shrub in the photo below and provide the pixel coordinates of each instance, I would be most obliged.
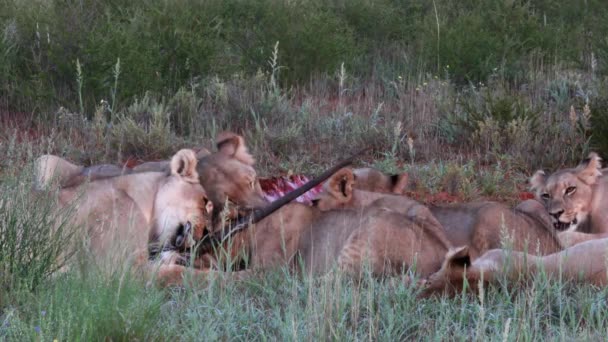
(479, 113)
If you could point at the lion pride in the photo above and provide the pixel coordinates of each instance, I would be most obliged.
(479, 225)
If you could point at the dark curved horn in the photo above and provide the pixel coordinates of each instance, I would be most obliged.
(259, 214)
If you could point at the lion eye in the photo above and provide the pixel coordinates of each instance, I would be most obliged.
(545, 196)
(570, 190)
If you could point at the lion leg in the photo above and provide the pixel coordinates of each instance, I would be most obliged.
(177, 275)
(356, 254)
(568, 239)
(174, 275)
(206, 261)
(166, 272)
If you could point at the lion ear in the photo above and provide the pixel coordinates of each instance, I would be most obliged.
(341, 184)
(537, 181)
(233, 145)
(458, 257)
(399, 183)
(208, 206)
(589, 169)
(183, 164)
(202, 152)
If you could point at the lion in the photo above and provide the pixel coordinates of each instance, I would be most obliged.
(479, 225)
(576, 198)
(131, 214)
(312, 240)
(583, 263)
(570, 238)
(227, 175)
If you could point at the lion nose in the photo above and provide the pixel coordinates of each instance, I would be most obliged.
(557, 214)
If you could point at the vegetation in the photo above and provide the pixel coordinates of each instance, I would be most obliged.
(469, 97)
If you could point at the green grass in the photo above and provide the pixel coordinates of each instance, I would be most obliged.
(279, 306)
(162, 47)
(85, 307)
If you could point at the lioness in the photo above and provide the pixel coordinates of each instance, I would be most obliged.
(584, 263)
(480, 225)
(227, 175)
(576, 198)
(129, 213)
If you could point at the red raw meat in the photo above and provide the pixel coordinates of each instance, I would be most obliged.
(526, 195)
(276, 187)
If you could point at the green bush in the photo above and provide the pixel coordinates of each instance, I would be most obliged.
(144, 131)
(163, 46)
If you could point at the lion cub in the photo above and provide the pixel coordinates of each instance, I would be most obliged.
(479, 225)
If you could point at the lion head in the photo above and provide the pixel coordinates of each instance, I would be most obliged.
(228, 175)
(350, 188)
(181, 208)
(337, 191)
(374, 180)
(568, 194)
(460, 272)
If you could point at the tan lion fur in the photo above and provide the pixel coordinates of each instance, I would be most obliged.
(371, 179)
(384, 240)
(226, 175)
(124, 214)
(582, 263)
(479, 225)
